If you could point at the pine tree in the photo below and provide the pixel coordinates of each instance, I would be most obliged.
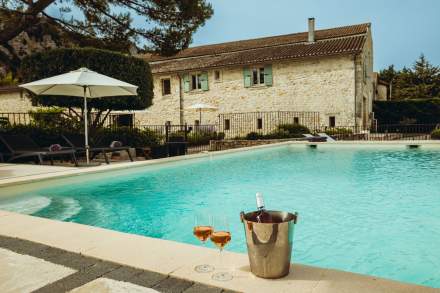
(421, 81)
(168, 27)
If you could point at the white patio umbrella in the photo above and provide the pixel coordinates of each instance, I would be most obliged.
(82, 83)
(200, 107)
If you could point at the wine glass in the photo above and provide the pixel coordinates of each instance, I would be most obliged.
(202, 230)
(220, 237)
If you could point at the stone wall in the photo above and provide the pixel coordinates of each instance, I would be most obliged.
(219, 145)
(364, 84)
(324, 85)
(14, 102)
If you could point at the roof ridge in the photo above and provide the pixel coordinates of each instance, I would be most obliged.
(255, 48)
(286, 35)
(321, 34)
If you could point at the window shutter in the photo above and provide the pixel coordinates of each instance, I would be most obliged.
(268, 79)
(186, 83)
(204, 81)
(247, 77)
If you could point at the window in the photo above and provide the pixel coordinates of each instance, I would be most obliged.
(295, 120)
(196, 122)
(166, 87)
(217, 75)
(196, 81)
(259, 123)
(332, 121)
(258, 76)
(123, 120)
(227, 124)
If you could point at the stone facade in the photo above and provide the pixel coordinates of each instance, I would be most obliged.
(332, 86)
(14, 102)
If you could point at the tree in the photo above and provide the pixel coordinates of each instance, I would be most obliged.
(388, 74)
(168, 28)
(421, 81)
(129, 69)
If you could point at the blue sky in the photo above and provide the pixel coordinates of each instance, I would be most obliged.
(402, 29)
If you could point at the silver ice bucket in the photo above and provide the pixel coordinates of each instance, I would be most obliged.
(269, 245)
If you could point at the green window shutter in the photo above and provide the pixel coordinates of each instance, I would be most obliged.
(186, 83)
(268, 79)
(247, 77)
(204, 81)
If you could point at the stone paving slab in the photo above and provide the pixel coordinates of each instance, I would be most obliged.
(200, 288)
(136, 276)
(24, 273)
(103, 285)
(85, 274)
(173, 285)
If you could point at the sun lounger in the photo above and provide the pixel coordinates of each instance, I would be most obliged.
(77, 143)
(329, 138)
(311, 138)
(21, 146)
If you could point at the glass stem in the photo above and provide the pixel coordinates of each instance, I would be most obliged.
(221, 258)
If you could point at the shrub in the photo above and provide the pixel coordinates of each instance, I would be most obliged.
(43, 136)
(129, 69)
(338, 131)
(133, 137)
(53, 118)
(420, 111)
(435, 134)
(203, 137)
(252, 136)
(294, 129)
(281, 132)
(4, 121)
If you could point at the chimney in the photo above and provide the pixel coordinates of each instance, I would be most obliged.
(311, 38)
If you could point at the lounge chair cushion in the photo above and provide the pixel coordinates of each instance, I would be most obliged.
(55, 147)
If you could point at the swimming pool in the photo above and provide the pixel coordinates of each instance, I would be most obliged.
(366, 209)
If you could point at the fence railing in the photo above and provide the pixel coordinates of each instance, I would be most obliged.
(26, 118)
(16, 118)
(381, 132)
(238, 125)
(197, 137)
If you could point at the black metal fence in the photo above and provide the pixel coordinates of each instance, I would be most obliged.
(381, 132)
(238, 125)
(26, 118)
(15, 118)
(196, 138)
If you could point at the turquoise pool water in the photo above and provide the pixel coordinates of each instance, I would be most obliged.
(371, 210)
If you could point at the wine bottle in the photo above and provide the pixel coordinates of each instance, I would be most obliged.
(262, 216)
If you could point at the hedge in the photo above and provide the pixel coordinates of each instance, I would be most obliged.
(45, 136)
(129, 69)
(420, 111)
(282, 131)
(435, 134)
(133, 137)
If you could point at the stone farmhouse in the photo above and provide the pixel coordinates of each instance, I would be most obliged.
(329, 72)
(321, 77)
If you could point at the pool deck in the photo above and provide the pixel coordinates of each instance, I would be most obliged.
(173, 260)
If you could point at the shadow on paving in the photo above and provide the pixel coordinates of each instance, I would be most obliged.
(89, 269)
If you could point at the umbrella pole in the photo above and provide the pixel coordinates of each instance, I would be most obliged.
(86, 125)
